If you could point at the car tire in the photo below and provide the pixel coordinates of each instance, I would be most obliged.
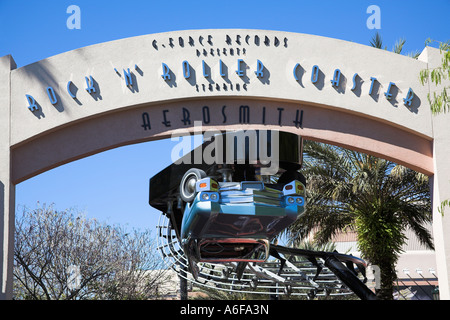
(188, 182)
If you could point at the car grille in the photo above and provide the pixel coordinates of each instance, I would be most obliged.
(234, 250)
(249, 192)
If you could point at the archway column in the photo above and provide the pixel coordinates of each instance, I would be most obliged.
(441, 219)
(441, 181)
(7, 188)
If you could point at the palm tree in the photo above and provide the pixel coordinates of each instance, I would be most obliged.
(377, 42)
(376, 198)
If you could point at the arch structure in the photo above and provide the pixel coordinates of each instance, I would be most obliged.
(144, 88)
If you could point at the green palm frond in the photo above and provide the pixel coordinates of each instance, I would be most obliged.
(398, 47)
(414, 54)
(376, 41)
(345, 186)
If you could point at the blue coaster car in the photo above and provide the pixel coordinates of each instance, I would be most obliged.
(231, 209)
(235, 221)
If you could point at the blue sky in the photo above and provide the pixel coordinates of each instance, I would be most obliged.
(113, 186)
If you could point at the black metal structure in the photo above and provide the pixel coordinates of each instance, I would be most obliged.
(290, 271)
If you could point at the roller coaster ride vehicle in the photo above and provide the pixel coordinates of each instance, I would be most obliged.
(230, 210)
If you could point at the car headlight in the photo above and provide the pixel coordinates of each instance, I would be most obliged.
(294, 188)
(300, 201)
(209, 196)
(205, 196)
(206, 184)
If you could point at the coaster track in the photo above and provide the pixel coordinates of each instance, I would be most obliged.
(289, 271)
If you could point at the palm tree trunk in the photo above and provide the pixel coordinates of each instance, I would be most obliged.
(387, 278)
(183, 284)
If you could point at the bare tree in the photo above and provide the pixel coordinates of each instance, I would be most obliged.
(64, 255)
